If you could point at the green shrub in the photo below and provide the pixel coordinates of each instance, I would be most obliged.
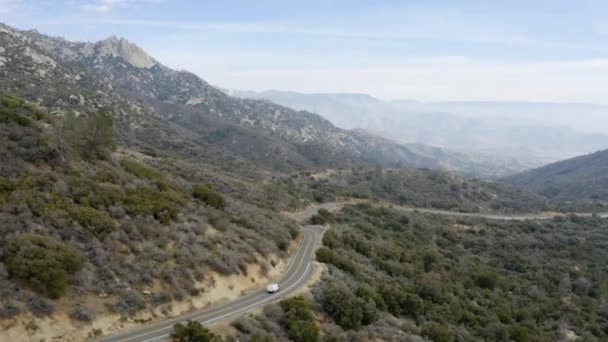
(98, 222)
(107, 176)
(346, 309)
(42, 262)
(139, 170)
(438, 332)
(326, 256)
(487, 280)
(6, 187)
(11, 101)
(299, 321)
(92, 136)
(206, 195)
(522, 333)
(163, 205)
(322, 217)
(10, 116)
(192, 331)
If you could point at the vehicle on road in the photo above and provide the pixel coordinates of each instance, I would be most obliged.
(272, 288)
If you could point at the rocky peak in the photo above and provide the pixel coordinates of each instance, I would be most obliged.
(120, 47)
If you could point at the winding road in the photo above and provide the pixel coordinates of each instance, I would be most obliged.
(298, 271)
(296, 274)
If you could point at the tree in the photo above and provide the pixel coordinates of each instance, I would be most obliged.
(92, 136)
(193, 331)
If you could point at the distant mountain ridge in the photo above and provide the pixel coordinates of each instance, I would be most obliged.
(584, 177)
(479, 128)
(114, 73)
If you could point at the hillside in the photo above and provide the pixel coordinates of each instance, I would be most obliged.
(93, 230)
(116, 73)
(580, 178)
(486, 131)
(417, 277)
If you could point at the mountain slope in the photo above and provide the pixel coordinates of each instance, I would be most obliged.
(580, 178)
(483, 130)
(122, 75)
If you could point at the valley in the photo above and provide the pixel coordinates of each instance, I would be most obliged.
(140, 203)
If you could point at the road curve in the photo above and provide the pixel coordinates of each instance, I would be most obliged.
(298, 271)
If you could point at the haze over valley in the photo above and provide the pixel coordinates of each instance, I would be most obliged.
(526, 134)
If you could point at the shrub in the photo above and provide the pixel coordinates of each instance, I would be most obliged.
(206, 195)
(192, 331)
(129, 302)
(10, 116)
(163, 205)
(521, 333)
(487, 280)
(346, 309)
(322, 217)
(9, 310)
(438, 332)
(139, 170)
(83, 313)
(299, 321)
(11, 101)
(42, 262)
(40, 306)
(262, 336)
(6, 187)
(98, 222)
(106, 176)
(317, 220)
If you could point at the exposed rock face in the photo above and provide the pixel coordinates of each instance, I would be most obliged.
(118, 74)
(122, 48)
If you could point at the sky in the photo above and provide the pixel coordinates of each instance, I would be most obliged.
(429, 50)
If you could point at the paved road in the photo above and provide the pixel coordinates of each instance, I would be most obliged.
(506, 217)
(298, 271)
(333, 206)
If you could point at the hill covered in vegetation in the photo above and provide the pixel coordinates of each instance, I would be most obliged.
(82, 217)
(420, 188)
(396, 276)
(580, 178)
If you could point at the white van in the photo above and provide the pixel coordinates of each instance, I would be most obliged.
(272, 288)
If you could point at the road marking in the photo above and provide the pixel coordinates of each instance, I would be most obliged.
(169, 324)
(286, 292)
(211, 309)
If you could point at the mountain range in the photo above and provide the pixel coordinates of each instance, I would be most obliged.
(156, 105)
(520, 135)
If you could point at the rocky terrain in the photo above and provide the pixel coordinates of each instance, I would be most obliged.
(117, 74)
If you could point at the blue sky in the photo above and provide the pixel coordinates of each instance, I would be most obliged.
(544, 50)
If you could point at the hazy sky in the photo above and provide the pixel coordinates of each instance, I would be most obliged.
(544, 50)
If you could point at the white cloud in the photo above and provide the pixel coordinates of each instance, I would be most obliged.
(105, 6)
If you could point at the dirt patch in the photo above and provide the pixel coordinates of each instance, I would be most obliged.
(463, 228)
